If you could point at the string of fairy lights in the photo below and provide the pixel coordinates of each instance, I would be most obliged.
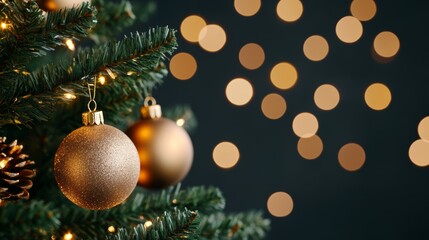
(285, 75)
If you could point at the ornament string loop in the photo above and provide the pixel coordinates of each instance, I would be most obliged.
(148, 100)
(92, 89)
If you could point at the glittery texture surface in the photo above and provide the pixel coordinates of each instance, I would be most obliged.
(97, 167)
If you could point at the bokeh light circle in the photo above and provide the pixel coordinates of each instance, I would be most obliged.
(289, 10)
(351, 157)
(226, 155)
(378, 96)
(326, 97)
(316, 48)
(364, 10)
(419, 153)
(239, 91)
(349, 29)
(423, 128)
(247, 8)
(183, 66)
(284, 75)
(310, 148)
(251, 56)
(273, 106)
(305, 125)
(386, 44)
(191, 27)
(280, 204)
(212, 38)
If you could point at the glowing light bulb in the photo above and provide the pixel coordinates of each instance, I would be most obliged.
(111, 229)
(70, 45)
(180, 122)
(69, 96)
(102, 80)
(3, 25)
(147, 224)
(68, 236)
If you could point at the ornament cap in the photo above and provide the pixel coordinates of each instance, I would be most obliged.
(92, 118)
(152, 111)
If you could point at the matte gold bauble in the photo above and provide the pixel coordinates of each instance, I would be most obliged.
(55, 5)
(96, 166)
(165, 149)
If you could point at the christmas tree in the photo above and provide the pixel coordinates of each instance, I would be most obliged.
(46, 83)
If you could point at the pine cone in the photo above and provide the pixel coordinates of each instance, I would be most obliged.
(15, 172)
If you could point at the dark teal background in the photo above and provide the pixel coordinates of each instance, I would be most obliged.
(389, 197)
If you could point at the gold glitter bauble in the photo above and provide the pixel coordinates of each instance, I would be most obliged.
(165, 151)
(55, 5)
(97, 167)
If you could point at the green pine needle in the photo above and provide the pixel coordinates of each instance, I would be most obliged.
(241, 226)
(175, 224)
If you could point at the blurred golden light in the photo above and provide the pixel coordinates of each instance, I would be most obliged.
(212, 38)
(305, 125)
(247, 8)
(316, 48)
(280, 204)
(180, 122)
(364, 10)
(69, 96)
(102, 80)
(419, 153)
(284, 75)
(68, 236)
(349, 29)
(273, 106)
(226, 155)
(183, 66)
(386, 44)
(310, 148)
(378, 96)
(351, 157)
(326, 97)
(111, 229)
(423, 128)
(191, 27)
(251, 56)
(70, 45)
(3, 25)
(289, 10)
(239, 91)
(148, 224)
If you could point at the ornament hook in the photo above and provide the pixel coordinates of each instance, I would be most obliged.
(152, 110)
(150, 99)
(92, 89)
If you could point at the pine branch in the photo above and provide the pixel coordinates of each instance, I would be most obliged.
(175, 224)
(31, 34)
(205, 199)
(122, 98)
(137, 209)
(28, 220)
(113, 18)
(139, 53)
(249, 225)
